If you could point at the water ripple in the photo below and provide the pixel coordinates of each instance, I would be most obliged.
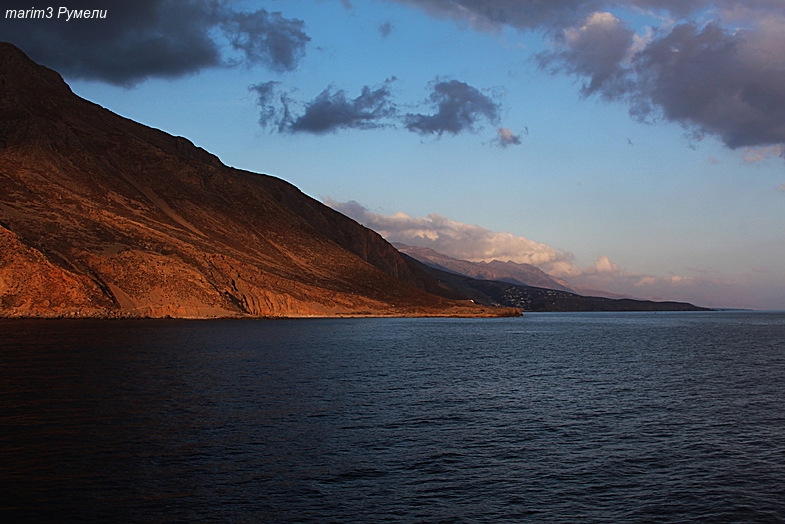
(548, 418)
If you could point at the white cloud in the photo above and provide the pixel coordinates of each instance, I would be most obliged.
(475, 243)
(604, 265)
(459, 240)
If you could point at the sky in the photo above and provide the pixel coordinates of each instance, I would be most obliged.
(631, 146)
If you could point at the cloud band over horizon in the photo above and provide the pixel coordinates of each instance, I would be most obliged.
(477, 244)
(471, 242)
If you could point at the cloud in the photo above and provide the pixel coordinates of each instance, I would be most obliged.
(333, 110)
(266, 38)
(330, 111)
(716, 82)
(723, 78)
(753, 155)
(459, 240)
(156, 38)
(459, 107)
(525, 14)
(273, 105)
(594, 49)
(521, 14)
(385, 29)
(711, 80)
(505, 137)
(604, 265)
(554, 15)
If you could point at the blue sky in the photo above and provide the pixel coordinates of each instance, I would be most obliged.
(630, 146)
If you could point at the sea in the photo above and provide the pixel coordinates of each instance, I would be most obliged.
(551, 417)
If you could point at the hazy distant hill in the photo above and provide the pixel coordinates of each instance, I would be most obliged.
(532, 298)
(102, 216)
(524, 274)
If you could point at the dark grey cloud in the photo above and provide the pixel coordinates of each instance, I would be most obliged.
(594, 50)
(459, 107)
(713, 81)
(330, 111)
(155, 38)
(718, 82)
(273, 105)
(725, 78)
(266, 38)
(386, 28)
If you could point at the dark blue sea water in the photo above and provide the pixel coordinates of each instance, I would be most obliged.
(606, 417)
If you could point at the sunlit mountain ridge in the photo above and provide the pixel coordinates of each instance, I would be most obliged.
(101, 216)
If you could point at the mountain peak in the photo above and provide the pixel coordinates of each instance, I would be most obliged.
(39, 109)
(20, 76)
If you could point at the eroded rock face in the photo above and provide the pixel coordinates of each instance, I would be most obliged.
(30, 285)
(102, 216)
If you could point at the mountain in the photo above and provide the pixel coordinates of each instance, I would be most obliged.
(515, 273)
(524, 286)
(532, 298)
(102, 216)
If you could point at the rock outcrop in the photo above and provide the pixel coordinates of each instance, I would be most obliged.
(102, 216)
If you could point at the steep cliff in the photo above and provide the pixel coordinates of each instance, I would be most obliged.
(102, 216)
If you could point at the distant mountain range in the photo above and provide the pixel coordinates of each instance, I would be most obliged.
(522, 286)
(101, 216)
(512, 272)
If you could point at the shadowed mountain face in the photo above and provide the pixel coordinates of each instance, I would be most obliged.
(102, 216)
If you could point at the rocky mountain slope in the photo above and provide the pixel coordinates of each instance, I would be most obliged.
(102, 216)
